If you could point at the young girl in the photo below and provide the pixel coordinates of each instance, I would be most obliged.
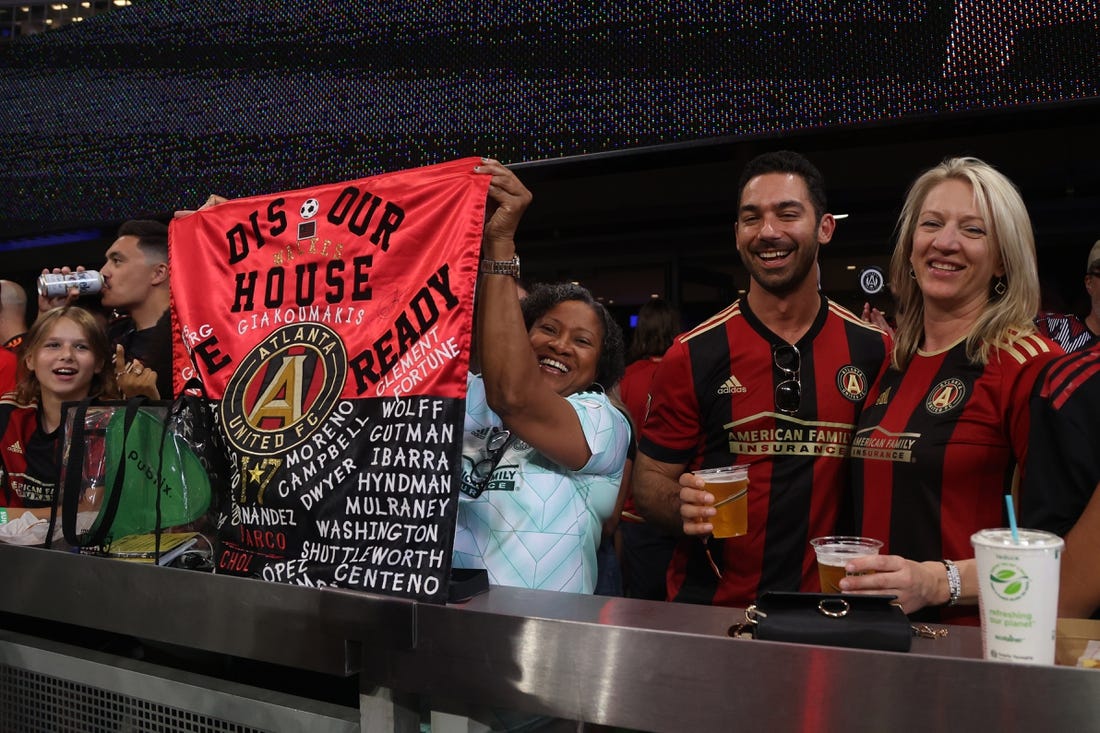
(64, 359)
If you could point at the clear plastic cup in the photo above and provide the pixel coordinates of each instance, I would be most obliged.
(833, 553)
(730, 487)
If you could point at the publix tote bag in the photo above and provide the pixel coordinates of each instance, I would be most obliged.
(127, 469)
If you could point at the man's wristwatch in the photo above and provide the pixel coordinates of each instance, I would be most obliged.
(501, 267)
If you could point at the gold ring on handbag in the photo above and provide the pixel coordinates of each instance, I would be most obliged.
(841, 605)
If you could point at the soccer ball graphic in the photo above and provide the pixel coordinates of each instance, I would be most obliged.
(310, 208)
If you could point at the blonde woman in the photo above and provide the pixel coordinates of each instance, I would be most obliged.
(945, 427)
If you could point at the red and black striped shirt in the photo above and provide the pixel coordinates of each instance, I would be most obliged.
(713, 403)
(28, 457)
(1064, 449)
(938, 447)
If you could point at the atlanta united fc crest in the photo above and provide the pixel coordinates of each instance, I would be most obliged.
(852, 383)
(284, 389)
(945, 396)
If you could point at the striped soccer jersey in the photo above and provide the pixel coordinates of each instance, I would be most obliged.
(1064, 449)
(28, 461)
(938, 447)
(1066, 330)
(712, 402)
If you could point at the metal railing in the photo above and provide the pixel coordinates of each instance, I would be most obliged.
(643, 665)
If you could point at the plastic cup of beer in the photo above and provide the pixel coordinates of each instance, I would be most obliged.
(833, 553)
(730, 488)
(1018, 593)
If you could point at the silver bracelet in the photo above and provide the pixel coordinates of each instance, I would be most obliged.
(501, 267)
(954, 582)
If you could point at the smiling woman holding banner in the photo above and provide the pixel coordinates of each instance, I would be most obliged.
(945, 429)
(544, 447)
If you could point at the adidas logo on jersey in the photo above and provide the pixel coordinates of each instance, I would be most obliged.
(732, 386)
(15, 447)
(884, 397)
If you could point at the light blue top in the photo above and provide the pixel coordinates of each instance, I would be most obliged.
(539, 525)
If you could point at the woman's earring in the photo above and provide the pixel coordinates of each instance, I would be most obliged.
(1000, 286)
(912, 274)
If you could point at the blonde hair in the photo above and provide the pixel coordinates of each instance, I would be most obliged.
(28, 391)
(1006, 317)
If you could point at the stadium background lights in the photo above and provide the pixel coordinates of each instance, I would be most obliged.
(35, 17)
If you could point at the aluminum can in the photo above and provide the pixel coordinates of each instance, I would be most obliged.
(56, 285)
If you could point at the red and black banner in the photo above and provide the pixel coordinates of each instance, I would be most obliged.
(332, 326)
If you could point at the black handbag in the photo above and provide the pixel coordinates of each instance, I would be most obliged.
(848, 620)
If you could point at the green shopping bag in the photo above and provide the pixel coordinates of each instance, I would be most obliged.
(151, 478)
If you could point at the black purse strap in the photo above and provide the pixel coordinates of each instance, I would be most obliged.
(172, 410)
(74, 477)
(74, 472)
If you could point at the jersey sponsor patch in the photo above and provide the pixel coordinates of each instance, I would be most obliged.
(945, 396)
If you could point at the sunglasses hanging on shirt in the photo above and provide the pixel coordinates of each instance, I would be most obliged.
(788, 393)
(496, 443)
